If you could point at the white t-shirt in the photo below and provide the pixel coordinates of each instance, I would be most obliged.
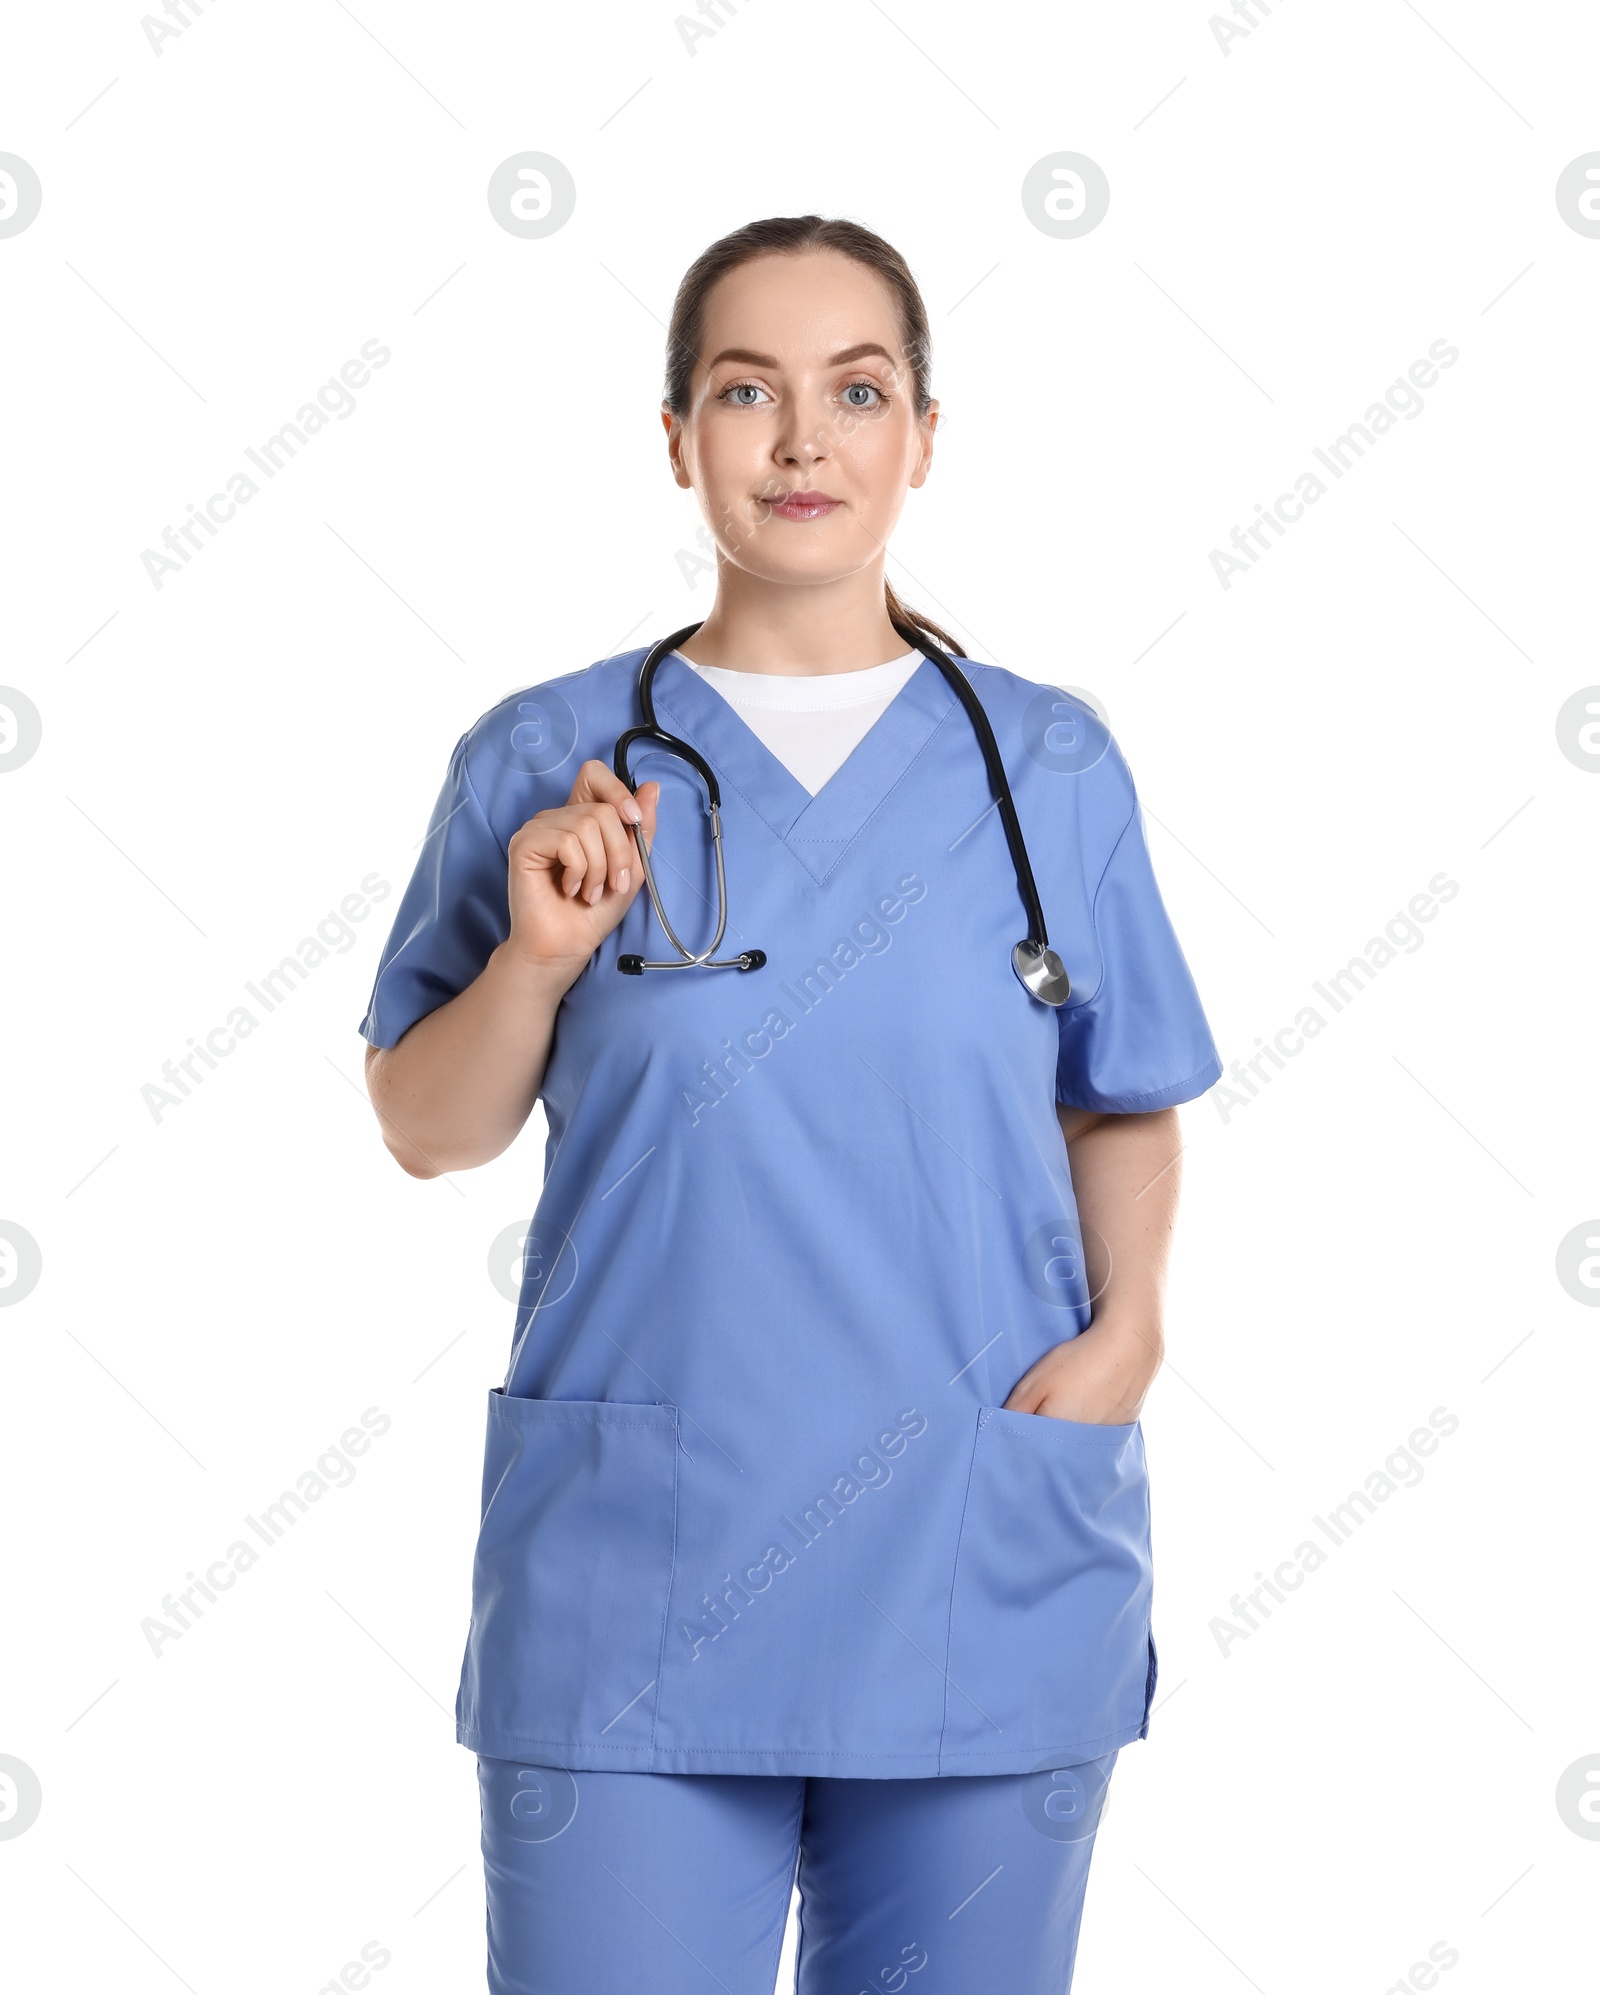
(811, 721)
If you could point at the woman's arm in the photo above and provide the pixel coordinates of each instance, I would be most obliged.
(456, 1088)
(460, 1084)
(1125, 1175)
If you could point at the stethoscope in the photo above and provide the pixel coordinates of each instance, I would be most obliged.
(1039, 969)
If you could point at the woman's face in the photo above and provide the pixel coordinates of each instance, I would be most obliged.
(801, 440)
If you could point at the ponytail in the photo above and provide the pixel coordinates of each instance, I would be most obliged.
(909, 622)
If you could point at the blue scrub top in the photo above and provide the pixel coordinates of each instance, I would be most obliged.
(751, 1500)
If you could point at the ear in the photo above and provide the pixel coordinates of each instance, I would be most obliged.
(674, 430)
(925, 430)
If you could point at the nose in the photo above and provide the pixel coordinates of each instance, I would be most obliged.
(803, 438)
(802, 447)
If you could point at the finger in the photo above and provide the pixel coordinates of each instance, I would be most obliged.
(573, 859)
(596, 865)
(595, 783)
(649, 796)
(621, 864)
(539, 841)
(583, 845)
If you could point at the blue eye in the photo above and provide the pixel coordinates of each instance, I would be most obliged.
(863, 389)
(742, 394)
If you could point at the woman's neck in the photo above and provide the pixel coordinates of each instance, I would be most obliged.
(761, 626)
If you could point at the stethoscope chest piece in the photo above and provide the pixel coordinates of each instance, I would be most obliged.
(1041, 972)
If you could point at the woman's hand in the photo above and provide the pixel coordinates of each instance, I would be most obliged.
(1099, 1377)
(574, 871)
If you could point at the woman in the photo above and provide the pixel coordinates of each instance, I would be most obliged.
(815, 1525)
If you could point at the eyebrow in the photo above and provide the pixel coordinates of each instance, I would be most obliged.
(749, 359)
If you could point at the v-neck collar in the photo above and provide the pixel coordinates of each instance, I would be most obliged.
(818, 829)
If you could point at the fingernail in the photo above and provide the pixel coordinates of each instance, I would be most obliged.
(622, 881)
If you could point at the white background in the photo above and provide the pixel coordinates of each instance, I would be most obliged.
(1373, 1236)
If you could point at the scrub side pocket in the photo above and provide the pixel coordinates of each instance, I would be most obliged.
(571, 1576)
(1050, 1610)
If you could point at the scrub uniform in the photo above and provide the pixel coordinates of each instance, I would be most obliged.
(607, 1883)
(751, 1502)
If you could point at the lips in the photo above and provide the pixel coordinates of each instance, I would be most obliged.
(803, 506)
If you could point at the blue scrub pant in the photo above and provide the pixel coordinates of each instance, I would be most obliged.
(679, 1884)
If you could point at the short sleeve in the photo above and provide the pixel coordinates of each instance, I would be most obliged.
(454, 913)
(1139, 1041)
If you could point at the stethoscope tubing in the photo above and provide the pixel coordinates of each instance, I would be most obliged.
(687, 960)
(1036, 947)
(999, 782)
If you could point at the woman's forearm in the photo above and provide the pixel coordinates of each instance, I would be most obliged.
(1125, 1181)
(457, 1088)
(1125, 1172)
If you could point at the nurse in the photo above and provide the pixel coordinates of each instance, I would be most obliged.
(815, 1526)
